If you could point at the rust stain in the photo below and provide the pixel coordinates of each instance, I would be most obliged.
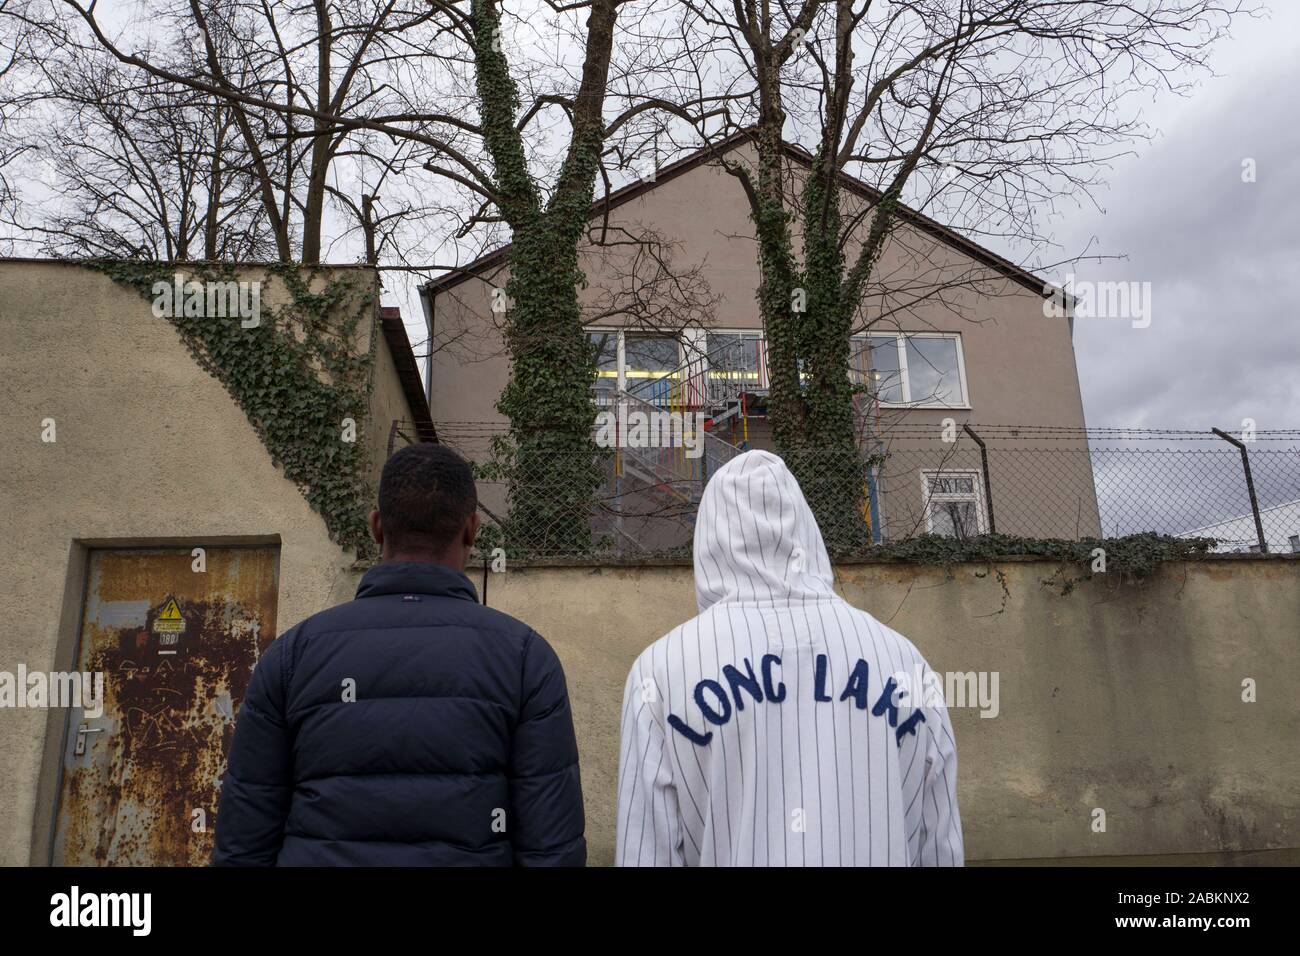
(146, 793)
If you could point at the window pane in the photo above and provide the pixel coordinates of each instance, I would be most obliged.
(860, 361)
(649, 356)
(954, 519)
(732, 351)
(733, 358)
(886, 379)
(952, 485)
(932, 371)
(606, 346)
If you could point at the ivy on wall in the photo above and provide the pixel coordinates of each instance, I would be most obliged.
(297, 374)
(1137, 555)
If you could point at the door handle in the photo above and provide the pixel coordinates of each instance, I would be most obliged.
(82, 731)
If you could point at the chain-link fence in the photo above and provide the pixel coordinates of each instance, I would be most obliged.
(958, 481)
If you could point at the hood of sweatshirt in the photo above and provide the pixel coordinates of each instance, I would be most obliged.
(756, 539)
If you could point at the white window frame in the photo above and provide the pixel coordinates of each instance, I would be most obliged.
(758, 334)
(900, 343)
(618, 354)
(691, 346)
(977, 483)
(620, 348)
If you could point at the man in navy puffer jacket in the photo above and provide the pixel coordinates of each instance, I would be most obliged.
(411, 726)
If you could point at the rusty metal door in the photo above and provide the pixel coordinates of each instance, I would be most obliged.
(176, 647)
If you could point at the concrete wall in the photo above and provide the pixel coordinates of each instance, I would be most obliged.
(1121, 696)
(150, 450)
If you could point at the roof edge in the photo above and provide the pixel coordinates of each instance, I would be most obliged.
(631, 191)
(408, 371)
(182, 263)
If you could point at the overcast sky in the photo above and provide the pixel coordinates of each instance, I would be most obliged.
(1222, 256)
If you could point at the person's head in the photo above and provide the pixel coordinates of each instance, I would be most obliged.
(428, 507)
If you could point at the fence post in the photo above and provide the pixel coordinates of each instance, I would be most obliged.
(1250, 487)
(988, 487)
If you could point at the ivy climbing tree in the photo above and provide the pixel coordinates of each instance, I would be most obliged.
(550, 460)
(989, 108)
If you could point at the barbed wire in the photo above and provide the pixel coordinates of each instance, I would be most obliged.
(981, 428)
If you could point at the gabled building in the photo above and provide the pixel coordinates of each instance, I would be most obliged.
(951, 334)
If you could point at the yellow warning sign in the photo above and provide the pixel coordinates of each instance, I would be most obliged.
(169, 619)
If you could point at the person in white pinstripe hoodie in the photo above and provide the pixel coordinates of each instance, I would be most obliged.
(781, 726)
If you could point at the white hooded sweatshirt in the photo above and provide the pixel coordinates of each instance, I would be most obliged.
(777, 728)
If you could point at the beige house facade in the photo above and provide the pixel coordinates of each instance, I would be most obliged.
(949, 335)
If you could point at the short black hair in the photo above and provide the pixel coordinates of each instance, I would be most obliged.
(426, 493)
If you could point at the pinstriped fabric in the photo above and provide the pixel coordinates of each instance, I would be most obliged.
(763, 731)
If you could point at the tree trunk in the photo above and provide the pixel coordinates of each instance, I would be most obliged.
(553, 467)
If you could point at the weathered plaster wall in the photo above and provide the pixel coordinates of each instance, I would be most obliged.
(150, 449)
(1119, 695)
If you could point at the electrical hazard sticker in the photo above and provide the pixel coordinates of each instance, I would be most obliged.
(169, 619)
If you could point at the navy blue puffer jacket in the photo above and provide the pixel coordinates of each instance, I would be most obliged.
(458, 748)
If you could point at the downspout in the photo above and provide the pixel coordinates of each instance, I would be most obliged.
(426, 302)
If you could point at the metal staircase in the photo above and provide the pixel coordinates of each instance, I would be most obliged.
(710, 382)
(656, 490)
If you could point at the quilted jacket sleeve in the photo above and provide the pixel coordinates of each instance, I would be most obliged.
(258, 785)
(546, 817)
